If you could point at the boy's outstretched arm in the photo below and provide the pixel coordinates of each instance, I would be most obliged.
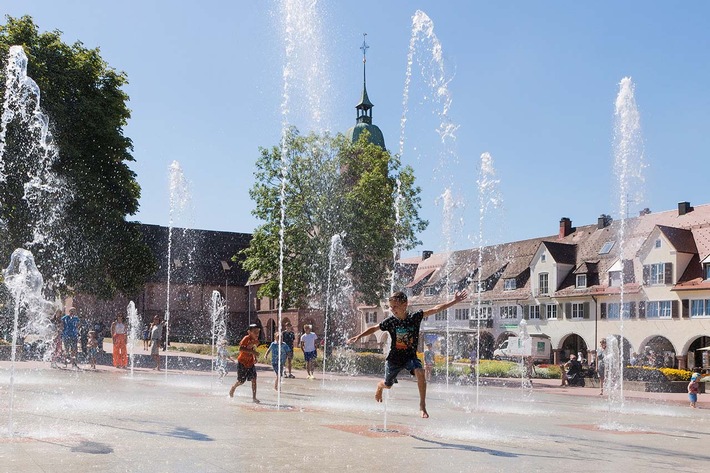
(458, 297)
(367, 332)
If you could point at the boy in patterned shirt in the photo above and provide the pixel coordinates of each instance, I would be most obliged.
(403, 328)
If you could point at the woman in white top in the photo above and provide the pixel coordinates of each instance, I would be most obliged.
(118, 333)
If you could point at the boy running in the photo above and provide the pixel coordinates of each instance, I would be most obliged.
(403, 328)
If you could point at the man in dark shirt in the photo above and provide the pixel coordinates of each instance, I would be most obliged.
(288, 337)
(403, 328)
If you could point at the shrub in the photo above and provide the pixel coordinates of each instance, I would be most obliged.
(676, 375)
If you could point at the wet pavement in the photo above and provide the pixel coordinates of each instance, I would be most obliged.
(112, 420)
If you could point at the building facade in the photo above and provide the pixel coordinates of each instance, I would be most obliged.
(644, 280)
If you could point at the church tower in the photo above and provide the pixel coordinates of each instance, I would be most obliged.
(364, 110)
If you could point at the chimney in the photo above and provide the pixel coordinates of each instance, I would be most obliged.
(426, 254)
(645, 211)
(603, 221)
(565, 227)
(684, 208)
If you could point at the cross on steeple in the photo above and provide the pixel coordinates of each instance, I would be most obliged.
(364, 47)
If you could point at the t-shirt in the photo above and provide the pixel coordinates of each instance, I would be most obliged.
(288, 337)
(309, 341)
(274, 347)
(70, 326)
(404, 334)
(428, 357)
(156, 332)
(245, 358)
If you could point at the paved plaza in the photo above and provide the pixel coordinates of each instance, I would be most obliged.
(116, 421)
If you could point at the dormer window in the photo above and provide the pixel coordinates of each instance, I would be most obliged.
(614, 278)
(509, 284)
(706, 271)
(543, 284)
(581, 280)
(429, 291)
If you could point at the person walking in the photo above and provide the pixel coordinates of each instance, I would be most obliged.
(403, 328)
(119, 337)
(310, 351)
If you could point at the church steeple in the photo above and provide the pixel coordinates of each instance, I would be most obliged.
(364, 109)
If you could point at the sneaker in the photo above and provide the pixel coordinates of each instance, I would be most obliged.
(291, 376)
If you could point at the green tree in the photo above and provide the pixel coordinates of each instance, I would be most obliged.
(332, 187)
(101, 252)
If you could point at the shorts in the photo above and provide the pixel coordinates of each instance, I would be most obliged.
(693, 397)
(310, 355)
(289, 355)
(69, 343)
(393, 368)
(245, 373)
(275, 366)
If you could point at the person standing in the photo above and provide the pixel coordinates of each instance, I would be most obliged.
(246, 360)
(289, 337)
(222, 358)
(403, 328)
(93, 346)
(693, 389)
(83, 335)
(99, 329)
(70, 335)
(276, 362)
(119, 337)
(156, 331)
(310, 352)
(600, 364)
(57, 341)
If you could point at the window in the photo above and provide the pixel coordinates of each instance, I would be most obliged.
(272, 304)
(509, 284)
(606, 248)
(700, 308)
(509, 312)
(658, 310)
(543, 284)
(577, 310)
(440, 315)
(481, 286)
(657, 273)
(581, 280)
(613, 310)
(461, 314)
(551, 311)
(614, 278)
(534, 312)
(370, 317)
(429, 291)
(657, 243)
(482, 313)
(706, 270)
(543, 257)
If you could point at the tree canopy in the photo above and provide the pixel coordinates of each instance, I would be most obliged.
(101, 252)
(332, 187)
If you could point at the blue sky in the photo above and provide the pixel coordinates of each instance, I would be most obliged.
(531, 83)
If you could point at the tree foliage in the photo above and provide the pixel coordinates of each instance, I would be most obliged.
(332, 187)
(102, 253)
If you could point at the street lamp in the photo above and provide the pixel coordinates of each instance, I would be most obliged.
(225, 267)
